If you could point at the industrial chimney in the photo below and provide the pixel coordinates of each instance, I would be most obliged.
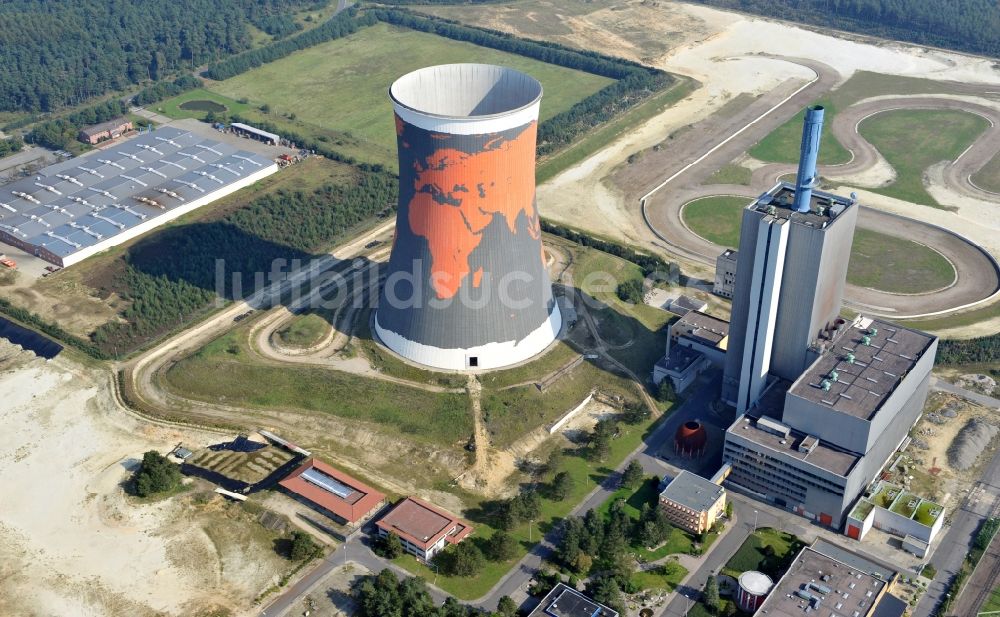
(466, 285)
(806, 179)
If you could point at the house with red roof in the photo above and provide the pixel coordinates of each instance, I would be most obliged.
(424, 529)
(333, 493)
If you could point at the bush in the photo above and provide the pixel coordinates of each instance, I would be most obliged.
(156, 475)
(630, 291)
(303, 546)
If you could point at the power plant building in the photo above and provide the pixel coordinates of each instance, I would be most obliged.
(821, 403)
(74, 209)
(466, 284)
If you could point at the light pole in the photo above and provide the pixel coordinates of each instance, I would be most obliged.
(755, 521)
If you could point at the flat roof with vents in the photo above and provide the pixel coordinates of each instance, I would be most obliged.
(564, 601)
(333, 490)
(820, 584)
(861, 386)
(75, 208)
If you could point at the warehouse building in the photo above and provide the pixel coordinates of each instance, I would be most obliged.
(80, 207)
(333, 493)
(424, 529)
(112, 129)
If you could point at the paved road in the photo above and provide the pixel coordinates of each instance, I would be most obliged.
(982, 501)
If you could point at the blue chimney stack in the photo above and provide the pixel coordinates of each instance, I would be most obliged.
(806, 180)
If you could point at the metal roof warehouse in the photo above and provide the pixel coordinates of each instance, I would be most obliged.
(74, 209)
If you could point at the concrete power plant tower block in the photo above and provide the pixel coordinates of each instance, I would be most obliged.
(466, 286)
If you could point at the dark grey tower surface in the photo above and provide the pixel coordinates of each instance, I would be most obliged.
(789, 286)
(467, 286)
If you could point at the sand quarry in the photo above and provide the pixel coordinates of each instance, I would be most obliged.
(72, 543)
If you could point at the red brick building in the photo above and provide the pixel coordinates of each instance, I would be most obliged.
(333, 493)
(112, 129)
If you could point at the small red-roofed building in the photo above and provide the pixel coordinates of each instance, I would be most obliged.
(333, 493)
(423, 529)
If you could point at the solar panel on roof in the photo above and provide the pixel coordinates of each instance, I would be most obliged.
(327, 483)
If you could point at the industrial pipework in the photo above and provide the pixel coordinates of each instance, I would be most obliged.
(806, 179)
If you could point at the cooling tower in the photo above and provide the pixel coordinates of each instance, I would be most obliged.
(466, 285)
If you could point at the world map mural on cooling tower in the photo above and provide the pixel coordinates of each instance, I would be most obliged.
(468, 225)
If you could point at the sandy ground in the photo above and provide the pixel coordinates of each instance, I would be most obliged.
(71, 542)
(725, 58)
(332, 596)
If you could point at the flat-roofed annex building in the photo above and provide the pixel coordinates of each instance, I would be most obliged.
(819, 584)
(424, 529)
(815, 448)
(564, 601)
(333, 493)
(692, 502)
(77, 208)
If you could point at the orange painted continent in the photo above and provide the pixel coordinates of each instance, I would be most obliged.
(457, 196)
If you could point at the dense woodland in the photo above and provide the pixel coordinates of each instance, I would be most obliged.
(963, 25)
(166, 89)
(969, 351)
(55, 53)
(385, 595)
(172, 275)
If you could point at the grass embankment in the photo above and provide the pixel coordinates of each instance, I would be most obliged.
(635, 332)
(878, 260)
(586, 475)
(224, 370)
(913, 140)
(341, 84)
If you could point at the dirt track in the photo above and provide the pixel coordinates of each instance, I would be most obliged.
(978, 272)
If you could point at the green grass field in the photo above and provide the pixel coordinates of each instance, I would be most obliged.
(753, 554)
(988, 178)
(304, 330)
(716, 219)
(730, 174)
(913, 140)
(665, 577)
(342, 84)
(172, 107)
(225, 370)
(992, 604)
(894, 264)
(782, 145)
(880, 261)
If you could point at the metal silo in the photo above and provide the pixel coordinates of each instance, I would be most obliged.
(466, 285)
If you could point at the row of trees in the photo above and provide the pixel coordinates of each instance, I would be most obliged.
(385, 595)
(985, 349)
(966, 25)
(166, 89)
(55, 53)
(172, 276)
(342, 24)
(58, 133)
(649, 263)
